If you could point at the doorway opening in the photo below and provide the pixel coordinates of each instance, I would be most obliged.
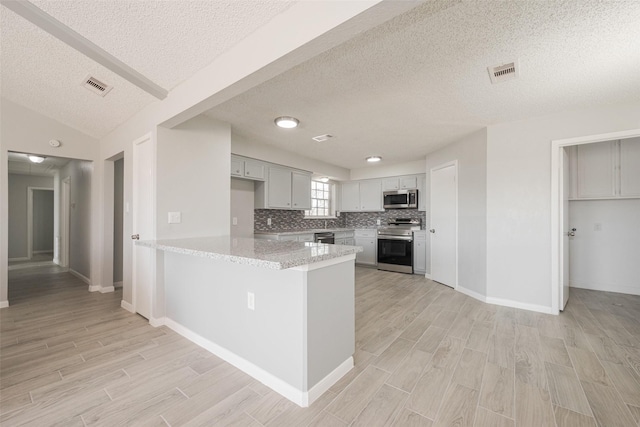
(560, 230)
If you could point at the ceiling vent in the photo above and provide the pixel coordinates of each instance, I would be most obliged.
(96, 86)
(502, 73)
(322, 138)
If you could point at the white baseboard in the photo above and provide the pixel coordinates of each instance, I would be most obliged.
(127, 306)
(472, 294)
(4, 304)
(299, 397)
(22, 258)
(85, 279)
(427, 275)
(106, 289)
(117, 284)
(520, 305)
(620, 289)
(56, 261)
(157, 321)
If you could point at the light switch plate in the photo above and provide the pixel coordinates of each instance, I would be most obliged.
(175, 218)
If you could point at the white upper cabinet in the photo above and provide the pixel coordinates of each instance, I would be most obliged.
(362, 196)
(371, 195)
(284, 189)
(408, 183)
(390, 184)
(605, 170)
(400, 183)
(630, 167)
(300, 191)
(595, 170)
(242, 167)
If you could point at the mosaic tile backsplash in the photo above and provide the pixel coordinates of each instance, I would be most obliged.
(294, 220)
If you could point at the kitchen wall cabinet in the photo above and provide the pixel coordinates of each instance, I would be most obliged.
(362, 196)
(605, 170)
(242, 167)
(284, 189)
(400, 183)
(368, 239)
(420, 252)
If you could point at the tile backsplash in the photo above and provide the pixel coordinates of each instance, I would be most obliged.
(295, 220)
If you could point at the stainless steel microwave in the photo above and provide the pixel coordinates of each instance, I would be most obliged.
(400, 199)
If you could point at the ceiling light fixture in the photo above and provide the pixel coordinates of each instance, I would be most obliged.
(287, 122)
(373, 159)
(323, 179)
(36, 159)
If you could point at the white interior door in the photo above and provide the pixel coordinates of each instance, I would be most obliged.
(143, 224)
(564, 220)
(444, 224)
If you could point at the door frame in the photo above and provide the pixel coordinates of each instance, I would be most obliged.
(557, 169)
(453, 163)
(30, 191)
(134, 218)
(64, 225)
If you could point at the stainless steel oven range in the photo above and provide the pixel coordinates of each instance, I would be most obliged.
(395, 245)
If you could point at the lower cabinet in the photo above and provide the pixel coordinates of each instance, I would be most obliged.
(368, 239)
(420, 252)
(344, 238)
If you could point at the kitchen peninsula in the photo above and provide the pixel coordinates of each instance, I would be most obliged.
(281, 311)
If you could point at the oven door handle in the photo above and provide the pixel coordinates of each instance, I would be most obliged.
(387, 237)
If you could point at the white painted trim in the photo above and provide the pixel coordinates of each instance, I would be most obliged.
(299, 397)
(56, 261)
(43, 252)
(520, 305)
(22, 258)
(85, 279)
(127, 306)
(453, 163)
(118, 284)
(607, 287)
(64, 224)
(323, 264)
(427, 276)
(4, 304)
(57, 29)
(106, 289)
(472, 294)
(556, 194)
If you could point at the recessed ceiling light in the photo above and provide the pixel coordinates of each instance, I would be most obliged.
(36, 159)
(323, 179)
(373, 159)
(287, 122)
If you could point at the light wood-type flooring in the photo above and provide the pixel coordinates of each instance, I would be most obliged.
(425, 356)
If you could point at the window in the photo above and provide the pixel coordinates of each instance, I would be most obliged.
(320, 200)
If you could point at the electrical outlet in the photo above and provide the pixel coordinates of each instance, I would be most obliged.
(175, 218)
(251, 301)
(235, 220)
(378, 221)
(268, 221)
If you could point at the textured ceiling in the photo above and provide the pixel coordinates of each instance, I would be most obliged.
(420, 81)
(167, 41)
(20, 164)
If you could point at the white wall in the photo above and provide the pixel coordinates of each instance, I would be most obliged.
(17, 213)
(605, 259)
(257, 150)
(42, 221)
(382, 171)
(470, 152)
(80, 215)
(242, 206)
(519, 198)
(193, 177)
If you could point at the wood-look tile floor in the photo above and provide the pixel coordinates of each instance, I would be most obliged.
(425, 356)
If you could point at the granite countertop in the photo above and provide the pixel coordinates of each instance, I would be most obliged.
(264, 253)
(310, 231)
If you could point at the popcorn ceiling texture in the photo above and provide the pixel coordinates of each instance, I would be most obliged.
(294, 220)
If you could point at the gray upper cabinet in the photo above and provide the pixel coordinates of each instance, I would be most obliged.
(362, 196)
(409, 182)
(630, 167)
(279, 184)
(300, 190)
(284, 189)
